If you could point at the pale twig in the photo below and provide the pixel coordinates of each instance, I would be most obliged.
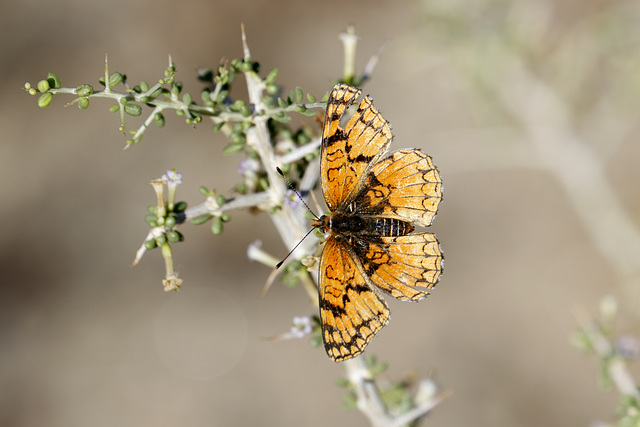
(370, 403)
(560, 150)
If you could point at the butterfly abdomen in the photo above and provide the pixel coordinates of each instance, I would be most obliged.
(368, 226)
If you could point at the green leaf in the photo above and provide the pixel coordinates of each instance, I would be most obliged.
(54, 80)
(115, 79)
(43, 86)
(83, 103)
(45, 99)
(201, 219)
(133, 109)
(84, 90)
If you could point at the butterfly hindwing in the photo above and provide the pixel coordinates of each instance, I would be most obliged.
(403, 266)
(404, 185)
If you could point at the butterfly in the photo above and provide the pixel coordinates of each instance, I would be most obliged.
(375, 198)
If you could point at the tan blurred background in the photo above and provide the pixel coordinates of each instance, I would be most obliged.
(516, 102)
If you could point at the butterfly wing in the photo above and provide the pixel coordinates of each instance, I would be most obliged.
(351, 311)
(348, 153)
(401, 265)
(404, 185)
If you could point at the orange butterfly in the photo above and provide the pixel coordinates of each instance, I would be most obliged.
(374, 199)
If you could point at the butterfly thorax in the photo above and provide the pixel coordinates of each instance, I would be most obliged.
(340, 223)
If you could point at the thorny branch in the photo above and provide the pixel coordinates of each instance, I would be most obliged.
(292, 225)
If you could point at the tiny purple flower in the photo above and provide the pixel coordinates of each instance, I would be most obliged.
(172, 177)
(291, 199)
(628, 346)
(248, 166)
(301, 326)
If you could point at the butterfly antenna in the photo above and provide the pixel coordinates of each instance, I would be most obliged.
(297, 194)
(278, 265)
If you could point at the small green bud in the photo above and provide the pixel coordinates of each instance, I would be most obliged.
(180, 207)
(161, 239)
(311, 98)
(246, 65)
(301, 108)
(173, 236)
(45, 99)
(83, 103)
(225, 217)
(187, 99)
(170, 221)
(237, 127)
(84, 90)
(307, 113)
(159, 118)
(221, 200)
(144, 86)
(145, 99)
(150, 244)
(238, 138)
(115, 79)
(114, 108)
(149, 218)
(263, 183)
(152, 209)
(272, 88)
(235, 65)
(216, 225)
(241, 188)
(299, 94)
(222, 95)
(282, 103)
(54, 80)
(133, 109)
(43, 86)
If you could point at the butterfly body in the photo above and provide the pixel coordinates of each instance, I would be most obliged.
(350, 226)
(374, 199)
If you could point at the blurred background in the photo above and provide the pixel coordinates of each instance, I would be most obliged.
(528, 107)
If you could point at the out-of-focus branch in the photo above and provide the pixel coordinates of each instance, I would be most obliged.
(616, 366)
(560, 150)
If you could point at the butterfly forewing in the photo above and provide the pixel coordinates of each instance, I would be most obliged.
(403, 266)
(347, 153)
(351, 311)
